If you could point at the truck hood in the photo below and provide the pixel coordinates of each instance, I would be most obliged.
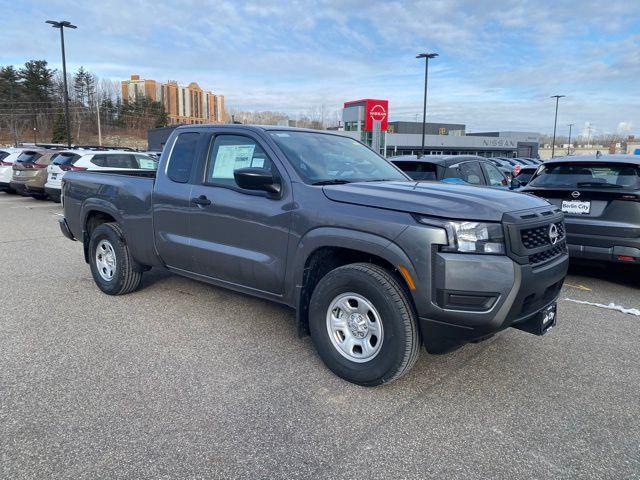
(460, 202)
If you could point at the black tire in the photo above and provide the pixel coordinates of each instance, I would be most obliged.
(401, 341)
(128, 273)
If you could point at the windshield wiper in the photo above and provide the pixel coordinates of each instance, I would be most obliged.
(334, 181)
(598, 185)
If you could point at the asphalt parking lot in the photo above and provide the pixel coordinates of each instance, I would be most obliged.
(184, 380)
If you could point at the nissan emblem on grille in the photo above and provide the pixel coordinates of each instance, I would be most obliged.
(575, 194)
(553, 234)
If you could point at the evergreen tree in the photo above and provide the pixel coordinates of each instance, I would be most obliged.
(59, 133)
(37, 81)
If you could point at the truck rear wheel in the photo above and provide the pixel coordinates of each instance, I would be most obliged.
(113, 268)
(362, 324)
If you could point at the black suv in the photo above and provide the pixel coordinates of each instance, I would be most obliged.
(600, 197)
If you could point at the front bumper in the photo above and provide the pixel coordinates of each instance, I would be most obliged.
(4, 186)
(477, 297)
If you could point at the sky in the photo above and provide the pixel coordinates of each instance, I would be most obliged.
(499, 61)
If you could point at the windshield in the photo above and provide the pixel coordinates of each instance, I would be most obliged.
(587, 175)
(323, 158)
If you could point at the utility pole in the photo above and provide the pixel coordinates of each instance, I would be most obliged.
(99, 129)
(426, 57)
(555, 122)
(569, 143)
(61, 25)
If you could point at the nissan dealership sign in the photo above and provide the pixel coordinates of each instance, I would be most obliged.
(374, 110)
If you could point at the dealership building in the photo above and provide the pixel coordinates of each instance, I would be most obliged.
(368, 120)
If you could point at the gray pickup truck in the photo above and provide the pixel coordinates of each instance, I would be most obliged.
(373, 263)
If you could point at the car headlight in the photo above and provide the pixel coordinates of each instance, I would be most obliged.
(474, 237)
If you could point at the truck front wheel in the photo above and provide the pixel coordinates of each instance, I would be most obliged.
(113, 268)
(362, 324)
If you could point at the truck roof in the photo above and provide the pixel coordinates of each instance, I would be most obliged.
(258, 128)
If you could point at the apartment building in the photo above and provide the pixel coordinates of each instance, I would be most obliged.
(184, 105)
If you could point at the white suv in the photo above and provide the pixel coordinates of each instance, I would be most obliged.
(77, 160)
(7, 157)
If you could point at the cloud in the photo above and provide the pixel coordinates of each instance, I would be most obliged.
(499, 60)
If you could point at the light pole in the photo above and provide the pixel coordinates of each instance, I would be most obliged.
(61, 25)
(426, 57)
(569, 143)
(555, 122)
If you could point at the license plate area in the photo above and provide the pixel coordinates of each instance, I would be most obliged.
(541, 322)
(576, 207)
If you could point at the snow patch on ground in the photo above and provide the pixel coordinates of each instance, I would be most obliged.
(611, 306)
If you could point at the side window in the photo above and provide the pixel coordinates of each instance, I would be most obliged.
(468, 172)
(231, 152)
(471, 173)
(494, 176)
(99, 160)
(183, 157)
(146, 163)
(121, 160)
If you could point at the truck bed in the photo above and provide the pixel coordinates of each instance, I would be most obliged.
(123, 195)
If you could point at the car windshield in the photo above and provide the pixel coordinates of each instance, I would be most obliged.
(418, 170)
(324, 158)
(587, 175)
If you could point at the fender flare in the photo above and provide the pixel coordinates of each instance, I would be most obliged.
(96, 205)
(323, 237)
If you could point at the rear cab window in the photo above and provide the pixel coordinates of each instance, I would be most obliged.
(603, 175)
(183, 157)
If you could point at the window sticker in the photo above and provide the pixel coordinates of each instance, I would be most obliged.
(230, 158)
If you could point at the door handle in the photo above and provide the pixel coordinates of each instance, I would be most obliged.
(202, 200)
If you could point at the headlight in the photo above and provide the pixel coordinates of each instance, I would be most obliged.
(474, 237)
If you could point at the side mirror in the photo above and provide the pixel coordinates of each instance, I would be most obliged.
(515, 183)
(257, 179)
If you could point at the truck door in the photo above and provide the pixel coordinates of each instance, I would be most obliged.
(171, 201)
(239, 236)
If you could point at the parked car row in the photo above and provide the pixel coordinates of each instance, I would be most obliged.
(38, 171)
(462, 169)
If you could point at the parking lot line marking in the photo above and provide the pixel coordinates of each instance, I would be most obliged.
(579, 287)
(611, 306)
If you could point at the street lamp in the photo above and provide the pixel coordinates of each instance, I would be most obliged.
(555, 122)
(61, 25)
(426, 57)
(569, 143)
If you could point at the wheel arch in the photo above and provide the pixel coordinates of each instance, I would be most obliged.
(325, 249)
(95, 213)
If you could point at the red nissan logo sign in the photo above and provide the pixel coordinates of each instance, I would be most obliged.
(378, 112)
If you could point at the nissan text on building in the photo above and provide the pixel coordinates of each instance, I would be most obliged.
(368, 121)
